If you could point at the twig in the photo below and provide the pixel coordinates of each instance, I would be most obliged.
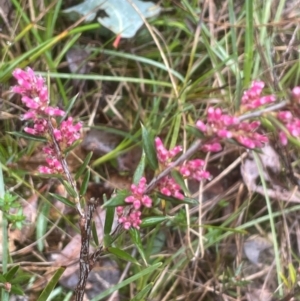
(85, 265)
(258, 113)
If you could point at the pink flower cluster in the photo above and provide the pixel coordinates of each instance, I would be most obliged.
(192, 169)
(35, 97)
(291, 123)
(252, 98)
(167, 185)
(221, 126)
(289, 120)
(137, 199)
(34, 94)
(165, 156)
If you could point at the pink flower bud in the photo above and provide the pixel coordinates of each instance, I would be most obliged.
(296, 94)
(283, 138)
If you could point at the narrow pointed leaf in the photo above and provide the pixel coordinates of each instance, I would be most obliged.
(142, 295)
(109, 219)
(186, 200)
(63, 199)
(83, 165)
(85, 183)
(140, 169)
(17, 290)
(129, 280)
(136, 238)
(122, 255)
(51, 285)
(117, 200)
(149, 149)
(95, 234)
(69, 189)
(11, 273)
(28, 137)
(153, 221)
(71, 147)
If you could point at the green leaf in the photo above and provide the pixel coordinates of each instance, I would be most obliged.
(179, 180)
(136, 238)
(153, 221)
(71, 147)
(140, 169)
(107, 240)
(292, 273)
(2, 278)
(186, 200)
(83, 165)
(15, 289)
(21, 279)
(51, 285)
(122, 255)
(11, 273)
(69, 189)
(85, 183)
(63, 200)
(109, 219)
(41, 225)
(129, 280)
(195, 132)
(69, 107)
(142, 295)
(28, 137)
(117, 200)
(95, 234)
(149, 149)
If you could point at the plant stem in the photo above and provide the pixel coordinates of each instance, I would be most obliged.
(4, 294)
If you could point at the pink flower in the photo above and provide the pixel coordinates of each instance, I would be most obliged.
(69, 132)
(163, 155)
(218, 124)
(296, 94)
(283, 138)
(252, 98)
(213, 147)
(221, 126)
(133, 219)
(34, 93)
(193, 169)
(169, 187)
(285, 116)
(291, 123)
(137, 199)
(129, 219)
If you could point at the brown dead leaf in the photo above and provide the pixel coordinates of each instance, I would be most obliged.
(30, 212)
(254, 246)
(271, 168)
(77, 60)
(101, 143)
(259, 295)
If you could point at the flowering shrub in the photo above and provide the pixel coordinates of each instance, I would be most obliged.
(217, 127)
